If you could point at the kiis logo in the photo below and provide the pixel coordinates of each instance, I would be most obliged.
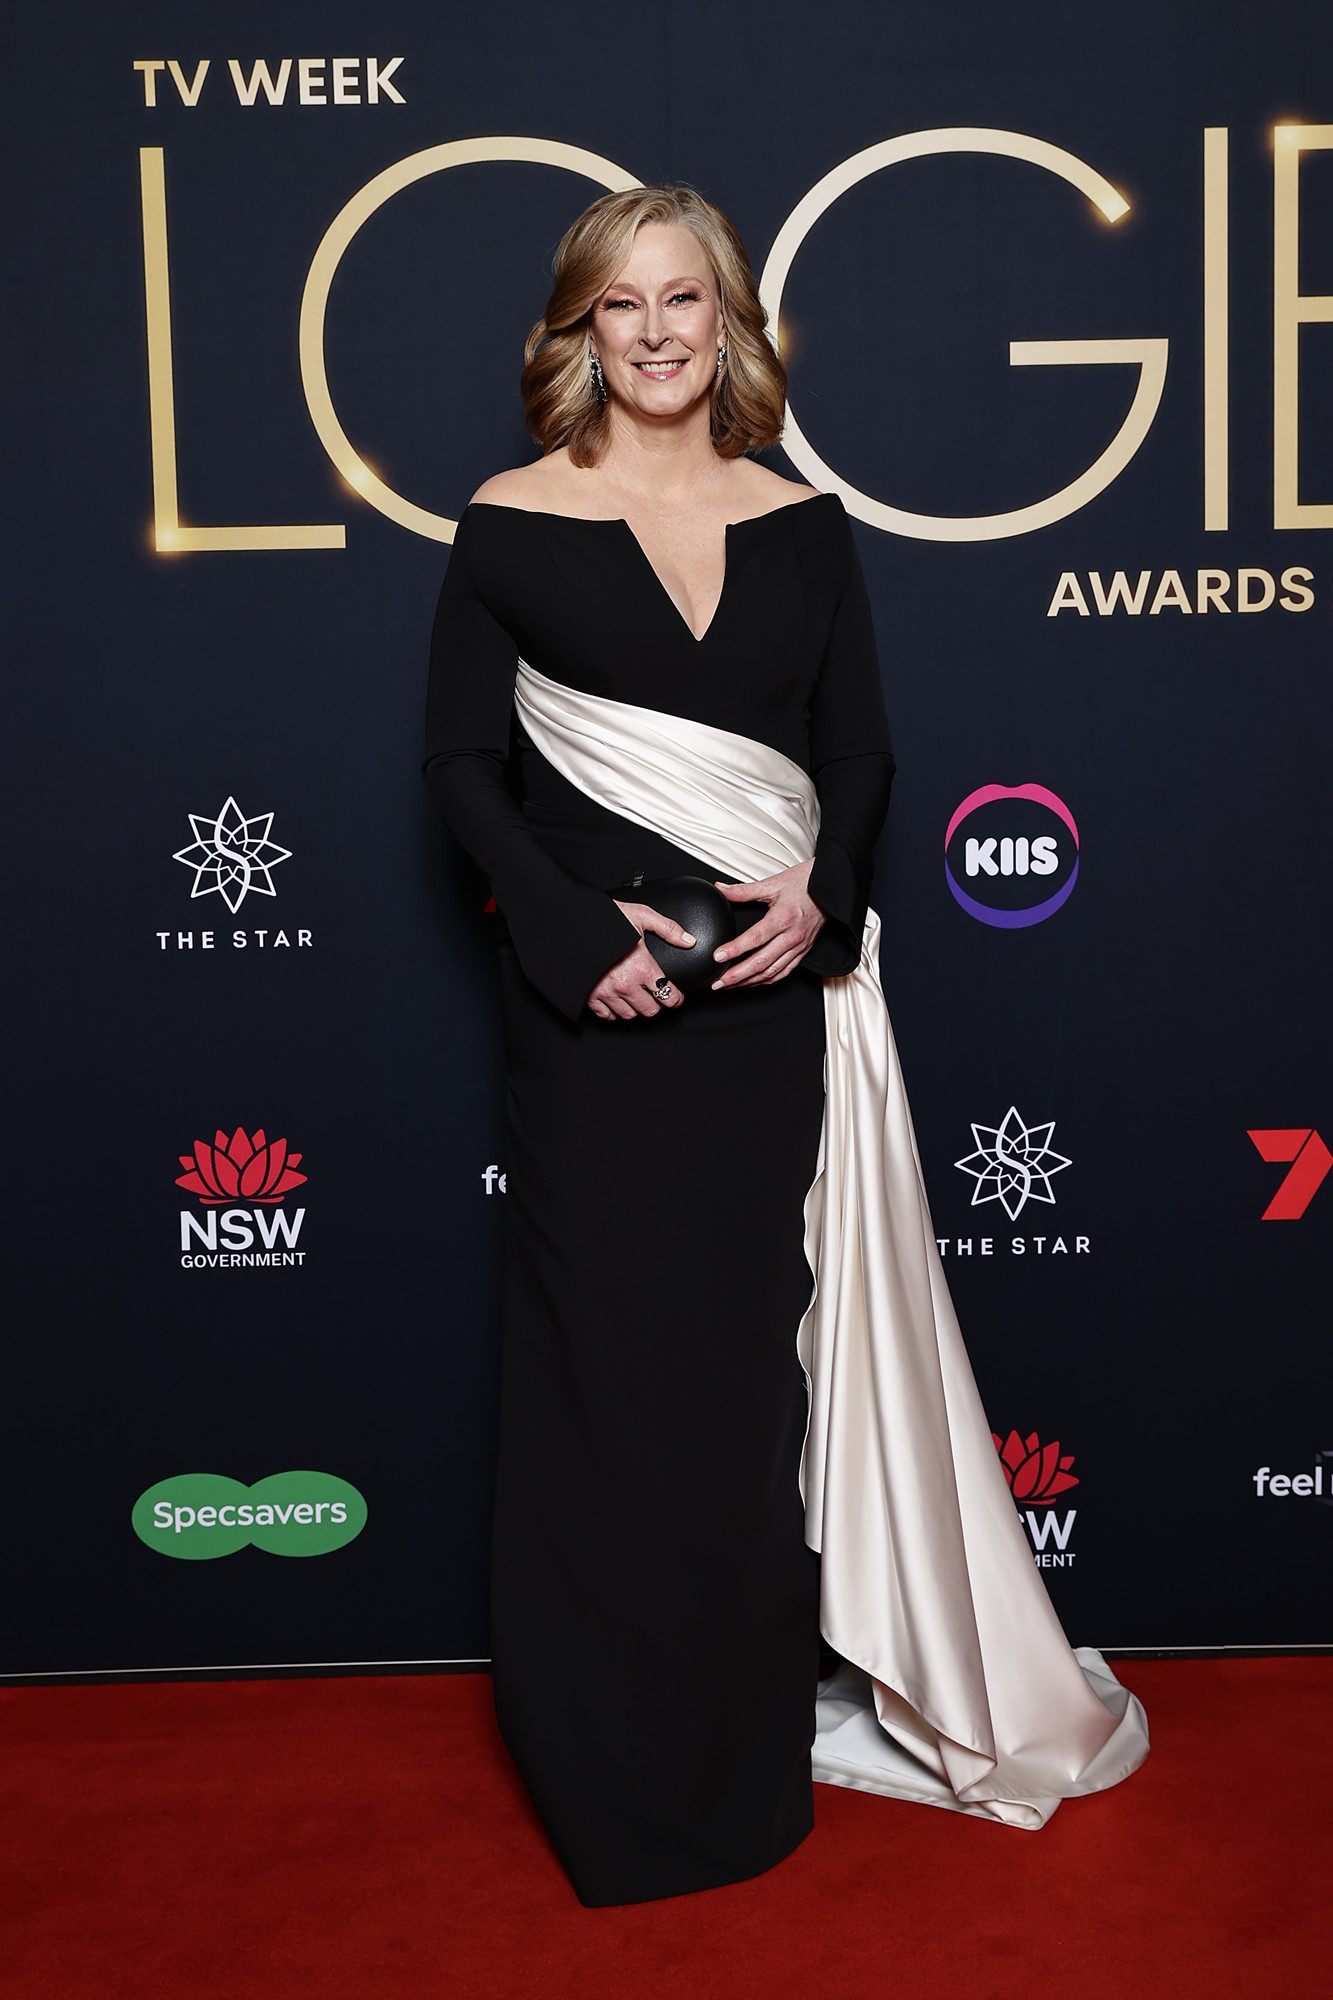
(247, 1168)
(196, 1516)
(1038, 1474)
(1016, 848)
(1310, 1161)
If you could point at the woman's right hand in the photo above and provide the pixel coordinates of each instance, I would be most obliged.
(629, 987)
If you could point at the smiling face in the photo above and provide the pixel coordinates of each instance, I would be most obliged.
(658, 328)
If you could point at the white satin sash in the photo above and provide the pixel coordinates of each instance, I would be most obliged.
(963, 1690)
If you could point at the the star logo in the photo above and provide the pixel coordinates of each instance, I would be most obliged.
(232, 855)
(1013, 1163)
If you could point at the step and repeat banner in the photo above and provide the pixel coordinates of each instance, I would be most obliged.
(1057, 305)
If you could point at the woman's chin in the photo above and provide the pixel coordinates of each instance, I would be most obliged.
(664, 399)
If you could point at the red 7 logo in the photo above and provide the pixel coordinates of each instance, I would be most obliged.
(1310, 1161)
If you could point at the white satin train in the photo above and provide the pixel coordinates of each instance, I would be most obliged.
(963, 1690)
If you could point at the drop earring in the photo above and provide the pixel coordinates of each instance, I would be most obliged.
(721, 357)
(598, 379)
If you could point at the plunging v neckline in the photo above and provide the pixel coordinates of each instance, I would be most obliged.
(727, 526)
(697, 639)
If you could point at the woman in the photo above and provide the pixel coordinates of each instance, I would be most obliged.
(654, 657)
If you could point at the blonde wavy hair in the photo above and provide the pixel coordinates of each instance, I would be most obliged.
(560, 402)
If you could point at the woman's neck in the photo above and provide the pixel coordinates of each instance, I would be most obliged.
(670, 460)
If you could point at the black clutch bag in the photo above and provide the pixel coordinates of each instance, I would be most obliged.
(710, 919)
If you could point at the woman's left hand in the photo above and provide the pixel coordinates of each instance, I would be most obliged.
(779, 941)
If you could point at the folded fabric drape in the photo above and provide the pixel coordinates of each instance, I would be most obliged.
(961, 1688)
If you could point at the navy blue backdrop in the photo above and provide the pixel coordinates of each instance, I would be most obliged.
(240, 937)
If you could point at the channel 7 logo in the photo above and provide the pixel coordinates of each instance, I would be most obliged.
(1309, 1160)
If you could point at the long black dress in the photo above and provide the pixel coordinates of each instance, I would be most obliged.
(654, 1605)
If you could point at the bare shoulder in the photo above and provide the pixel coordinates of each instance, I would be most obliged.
(552, 484)
(763, 491)
(528, 487)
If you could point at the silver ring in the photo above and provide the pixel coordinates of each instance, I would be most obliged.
(663, 985)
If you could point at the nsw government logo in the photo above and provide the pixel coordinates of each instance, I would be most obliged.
(1038, 1474)
(232, 856)
(240, 1183)
(1011, 855)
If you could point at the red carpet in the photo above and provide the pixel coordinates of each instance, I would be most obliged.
(352, 1839)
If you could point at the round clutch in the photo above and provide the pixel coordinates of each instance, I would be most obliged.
(705, 912)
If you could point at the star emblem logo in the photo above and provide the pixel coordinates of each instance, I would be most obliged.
(1013, 1163)
(232, 856)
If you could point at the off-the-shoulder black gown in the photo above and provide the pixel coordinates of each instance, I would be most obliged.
(655, 1607)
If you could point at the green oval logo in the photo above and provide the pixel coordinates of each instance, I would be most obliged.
(198, 1515)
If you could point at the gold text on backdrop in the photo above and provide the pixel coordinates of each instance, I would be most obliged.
(315, 300)
(1148, 355)
(1291, 310)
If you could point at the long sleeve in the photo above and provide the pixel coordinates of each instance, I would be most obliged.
(852, 764)
(566, 931)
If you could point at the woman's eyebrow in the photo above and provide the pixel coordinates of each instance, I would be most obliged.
(664, 286)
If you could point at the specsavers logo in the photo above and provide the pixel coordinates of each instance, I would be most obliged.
(198, 1515)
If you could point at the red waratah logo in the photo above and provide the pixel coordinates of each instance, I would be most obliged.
(242, 1168)
(1035, 1471)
